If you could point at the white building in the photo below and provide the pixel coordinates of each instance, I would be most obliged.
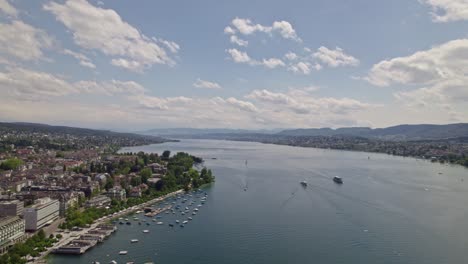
(42, 213)
(11, 231)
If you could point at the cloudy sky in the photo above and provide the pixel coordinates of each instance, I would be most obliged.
(133, 65)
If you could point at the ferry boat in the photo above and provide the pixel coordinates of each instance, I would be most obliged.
(338, 179)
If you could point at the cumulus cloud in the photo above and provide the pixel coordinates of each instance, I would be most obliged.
(239, 56)
(242, 57)
(23, 41)
(29, 85)
(115, 37)
(245, 26)
(446, 61)
(234, 39)
(448, 10)
(206, 84)
(300, 67)
(8, 9)
(439, 75)
(335, 58)
(272, 63)
(291, 56)
(304, 103)
(83, 59)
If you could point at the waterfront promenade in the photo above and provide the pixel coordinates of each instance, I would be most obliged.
(73, 235)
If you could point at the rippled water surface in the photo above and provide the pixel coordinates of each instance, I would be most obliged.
(389, 210)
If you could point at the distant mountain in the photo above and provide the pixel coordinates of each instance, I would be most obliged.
(400, 132)
(202, 131)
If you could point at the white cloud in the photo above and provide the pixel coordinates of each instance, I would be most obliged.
(8, 9)
(113, 37)
(304, 103)
(83, 59)
(239, 56)
(246, 27)
(291, 56)
(272, 63)
(286, 30)
(446, 61)
(206, 84)
(22, 41)
(229, 30)
(25, 84)
(335, 58)
(234, 39)
(171, 45)
(242, 57)
(300, 67)
(448, 10)
(131, 65)
(243, 105)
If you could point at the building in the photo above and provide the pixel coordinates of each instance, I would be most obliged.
(11, 231)
(117, 193)
(11, 208)
(41, 214)
(98, 201)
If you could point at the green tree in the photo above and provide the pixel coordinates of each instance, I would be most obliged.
(11, 164)
(145, 174)
(166, 154)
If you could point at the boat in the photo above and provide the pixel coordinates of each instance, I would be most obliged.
(113, 262)
(196, 209)
(177, 221)
(146, 231)
(171, 225)
(190, 218)
(194, 213)
(159, 223)
(123, 252)
(304, 183)
(129, 223)
(121, 223)
(147, 223)
(184, 222)
(338, 179)
(134, 240)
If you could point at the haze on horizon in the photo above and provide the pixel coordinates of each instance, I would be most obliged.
(132, 66)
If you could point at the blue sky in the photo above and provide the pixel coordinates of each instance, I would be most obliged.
(130, 65)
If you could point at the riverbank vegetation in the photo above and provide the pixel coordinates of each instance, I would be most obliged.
(180, 173)
(33, 246)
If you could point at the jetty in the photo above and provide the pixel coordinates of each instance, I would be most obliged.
(86, 241)
(154, 212)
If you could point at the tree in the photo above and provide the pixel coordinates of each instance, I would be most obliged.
(166, 154)
(11, 164)
(135, 181)
(109, 184)
(145, 174)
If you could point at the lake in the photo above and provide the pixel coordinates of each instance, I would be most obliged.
(389, 210)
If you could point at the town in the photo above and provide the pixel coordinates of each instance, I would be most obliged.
(56, 180)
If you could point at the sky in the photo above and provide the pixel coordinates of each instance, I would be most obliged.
(263, 64)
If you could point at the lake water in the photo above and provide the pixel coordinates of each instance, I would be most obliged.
(389, 210)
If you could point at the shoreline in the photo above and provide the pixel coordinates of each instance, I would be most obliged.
(72, 235)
